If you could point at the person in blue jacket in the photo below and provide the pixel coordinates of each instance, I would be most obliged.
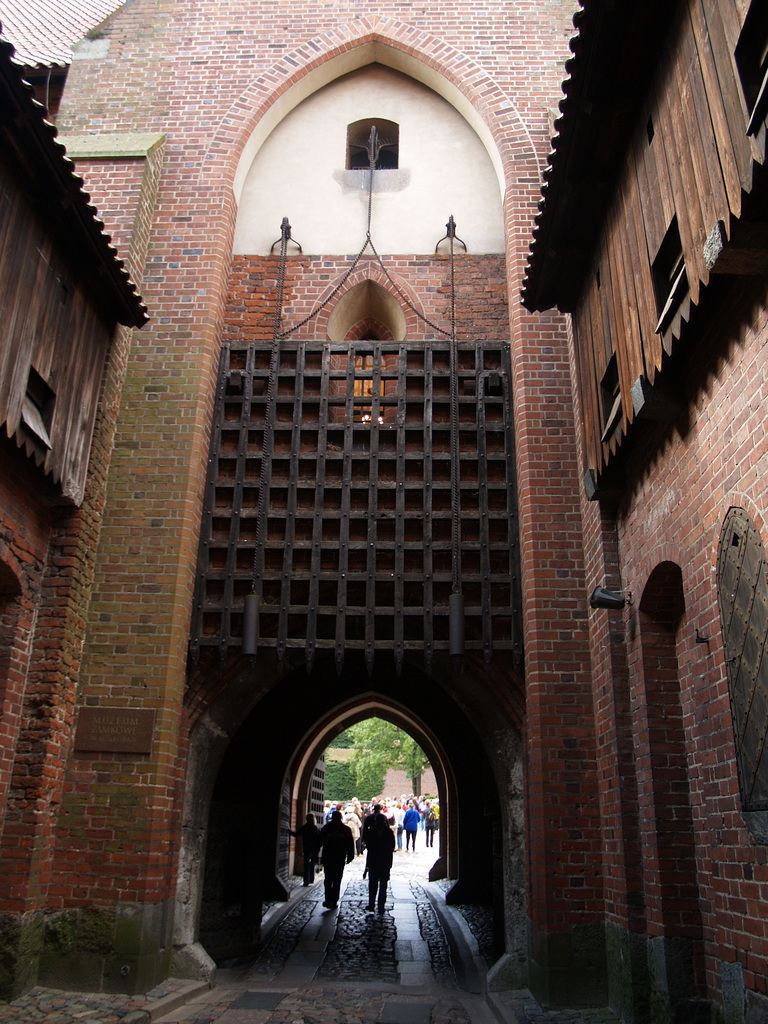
(411, 825)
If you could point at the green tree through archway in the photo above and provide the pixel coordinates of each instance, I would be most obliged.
(379, 746)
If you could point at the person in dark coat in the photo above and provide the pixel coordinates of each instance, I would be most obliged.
(379, 841)
(309, 834)
(430, 823)
(337, 848)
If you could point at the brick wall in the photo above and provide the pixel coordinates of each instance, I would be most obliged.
(481, 295)
(675, 514)
(25, 528)
(680, 484)
(397, 784)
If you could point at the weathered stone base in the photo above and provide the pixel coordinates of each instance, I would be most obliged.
(568, 969)
(192, 963)
(124, 948)
(740, 1006)
(628, 977)
(21, 942)
(673, 985)
(508, 974)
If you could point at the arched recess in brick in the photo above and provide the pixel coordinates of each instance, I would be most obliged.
(669, 861)
(392, 301)
(366, 300)
(16, 620)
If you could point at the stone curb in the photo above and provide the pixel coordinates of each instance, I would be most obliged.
(502, 1013)
(157, 1008)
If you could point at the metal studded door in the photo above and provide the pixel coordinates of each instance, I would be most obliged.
(742, 593)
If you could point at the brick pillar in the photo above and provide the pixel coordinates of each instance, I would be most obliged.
(567, 945)
(610, 634)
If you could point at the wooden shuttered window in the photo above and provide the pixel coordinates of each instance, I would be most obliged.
(688, 177)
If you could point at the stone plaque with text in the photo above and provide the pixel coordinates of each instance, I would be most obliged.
(116, 730)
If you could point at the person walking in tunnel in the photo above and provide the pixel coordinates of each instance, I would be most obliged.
(379, 841)
(309, 834)
(399, 815)
(337, 849)
(350, 818)
(411, 826)
(430, 823)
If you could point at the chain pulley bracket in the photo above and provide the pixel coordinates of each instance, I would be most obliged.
(285, 237)
(451, 236)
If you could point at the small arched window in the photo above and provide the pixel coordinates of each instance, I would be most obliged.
(386, 144)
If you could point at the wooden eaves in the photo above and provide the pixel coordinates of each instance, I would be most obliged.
(29, 142)
(615, 50)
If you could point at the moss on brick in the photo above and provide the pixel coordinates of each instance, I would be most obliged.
(97, 929)
(61, 932)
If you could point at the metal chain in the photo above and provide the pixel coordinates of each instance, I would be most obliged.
(369, 242)
(371, 167)
(324, 303)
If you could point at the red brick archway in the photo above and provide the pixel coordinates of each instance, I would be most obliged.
(272, 728)
(383, 40)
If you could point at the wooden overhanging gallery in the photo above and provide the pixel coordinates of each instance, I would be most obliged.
(679, 176)
(62, 290)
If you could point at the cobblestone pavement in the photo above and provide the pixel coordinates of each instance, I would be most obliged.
(418, 963)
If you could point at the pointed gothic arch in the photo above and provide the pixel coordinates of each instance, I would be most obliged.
(376, 705)
(460, 718)
(426, 58)
(666, 811)
(367, 299)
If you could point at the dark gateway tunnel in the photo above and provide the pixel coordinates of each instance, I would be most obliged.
(352, 487)
(252, 756)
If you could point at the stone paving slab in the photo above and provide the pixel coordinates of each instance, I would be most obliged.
(522, 1008)
(51, 1006)
(327, 967)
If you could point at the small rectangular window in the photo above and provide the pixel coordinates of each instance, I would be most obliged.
(363, 387)
(37, 408)
(752, 61)
(385, 141)
(670, 278)
(610, 397)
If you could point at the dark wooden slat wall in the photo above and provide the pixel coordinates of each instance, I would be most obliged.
(691, 160)
(646, 346)
(591, 369)
(42, 304)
